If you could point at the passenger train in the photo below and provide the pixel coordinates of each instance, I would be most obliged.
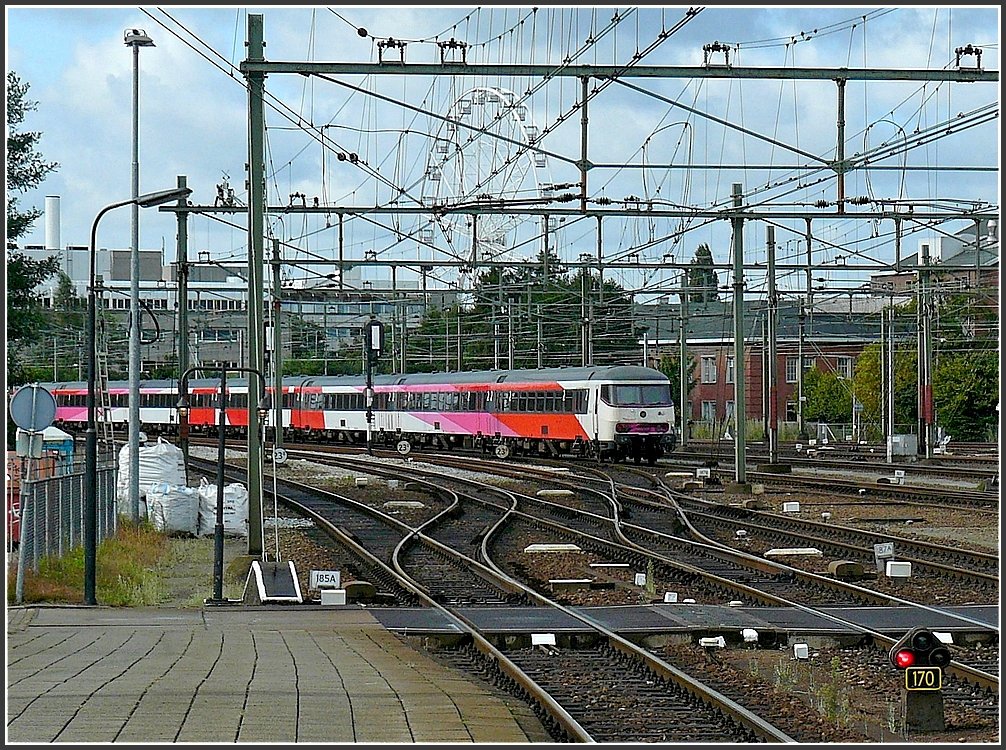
(612, 412)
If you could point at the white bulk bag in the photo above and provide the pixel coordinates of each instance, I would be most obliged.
(235, 506)
(160, 462)
(172, 508)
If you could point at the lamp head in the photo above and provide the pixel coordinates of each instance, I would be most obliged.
(137, 38)
(183, 407)
(160, 197)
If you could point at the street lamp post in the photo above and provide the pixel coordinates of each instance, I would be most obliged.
(183, 412)
(135, 38)
(91, 436)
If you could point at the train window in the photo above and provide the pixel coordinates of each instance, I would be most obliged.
(639, 395)
(579, 401)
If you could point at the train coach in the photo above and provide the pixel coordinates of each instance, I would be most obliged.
(620, 412)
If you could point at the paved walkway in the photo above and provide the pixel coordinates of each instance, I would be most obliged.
(238, 674)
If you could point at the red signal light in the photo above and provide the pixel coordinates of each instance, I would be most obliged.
(904, 658)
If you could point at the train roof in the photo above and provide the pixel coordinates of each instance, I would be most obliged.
(547, 375)
(632, 373)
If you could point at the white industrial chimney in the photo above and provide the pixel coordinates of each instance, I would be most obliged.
(52, 223)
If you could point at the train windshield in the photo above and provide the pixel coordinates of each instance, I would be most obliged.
(658, 394)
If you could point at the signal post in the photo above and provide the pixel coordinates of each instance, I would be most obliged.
(922, 656)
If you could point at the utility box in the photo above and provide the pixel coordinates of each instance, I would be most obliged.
(904, 445)
(899, 569)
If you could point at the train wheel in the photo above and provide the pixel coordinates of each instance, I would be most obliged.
(404, 447)
(502, 451)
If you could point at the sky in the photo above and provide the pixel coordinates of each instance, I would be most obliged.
(193, 106)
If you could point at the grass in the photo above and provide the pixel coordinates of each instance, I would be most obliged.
(125, 571)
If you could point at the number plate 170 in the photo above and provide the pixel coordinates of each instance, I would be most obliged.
(923, 678)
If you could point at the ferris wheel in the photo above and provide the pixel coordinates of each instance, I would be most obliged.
(484, 152)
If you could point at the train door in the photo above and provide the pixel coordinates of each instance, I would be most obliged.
(386, 417)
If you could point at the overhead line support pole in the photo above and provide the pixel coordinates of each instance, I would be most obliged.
(256, 252)
(182, 256)
(740, 435)
(773, 314)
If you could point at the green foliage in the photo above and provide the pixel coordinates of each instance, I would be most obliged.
(125, 570)
(25, 167)
(965, 393)
(828, 397)
(25, 170)
(669, 364)
(540, 303)
(703, 282)
(868, 380)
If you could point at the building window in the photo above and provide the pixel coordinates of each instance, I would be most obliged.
(708, 411)
(708, 369)
(730, 369)
(791, 369)
(844, 367)
(729, 411)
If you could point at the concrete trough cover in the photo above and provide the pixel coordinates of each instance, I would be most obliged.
(846, 569)
(403, 505)
(554, 493)
(678, 475)
(608, 565)
(794, 552)
(560, 547)
(359, 591)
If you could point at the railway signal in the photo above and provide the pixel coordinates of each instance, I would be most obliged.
(919, 648)
(923, 657)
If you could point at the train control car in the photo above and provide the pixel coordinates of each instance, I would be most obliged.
(614, 412)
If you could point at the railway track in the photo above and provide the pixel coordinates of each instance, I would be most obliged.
(466, 527)
(632, 672)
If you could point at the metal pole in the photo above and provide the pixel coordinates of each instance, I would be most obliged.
(739, 411)
(91, 435)
(277, 348)
(889, 406)
(182, 254)
(256, 241)
(134, 305)
(799, 377)
(684, 375)
(90, 452)
(218, 529)
(773, 390)
(584, 164)
(926, 366)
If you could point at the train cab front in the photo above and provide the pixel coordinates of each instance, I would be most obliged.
(641, 419)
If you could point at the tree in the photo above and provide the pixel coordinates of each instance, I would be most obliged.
(703, 282)
(828, 397)
(25, 167)
(966, 392)
(526, 307)
(669, 364)
(25, 170)
(868, 380)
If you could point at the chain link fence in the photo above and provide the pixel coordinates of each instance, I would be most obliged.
(52, 514)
